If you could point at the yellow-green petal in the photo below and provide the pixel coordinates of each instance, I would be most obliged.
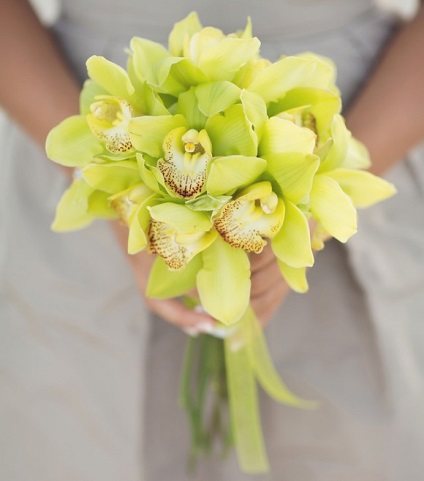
(112, 77)
(321, 104)
(281, 136)
(233, 172)
(89, 92)
(292, 243)
(164, 283)
(231, 133)
(222, 60)
(113, 177)
(146, 174)
(145, 54)
(337, 152)
(290, 72)
(223, 282)
(357, 156)
(148, 132)
(362, 187)
(295, 277)
(71, 143)
(72, 209)
(294, 174)
(138, 226)
(333, 208)
(181, 32)
(214, 97)
(255, 110)
(174, 75)
(188, 106)
(180, 217)
(99, 205)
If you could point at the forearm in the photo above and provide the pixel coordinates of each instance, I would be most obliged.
(37, 88)
(388, 114)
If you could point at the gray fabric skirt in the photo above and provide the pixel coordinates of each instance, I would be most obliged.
(89, 378)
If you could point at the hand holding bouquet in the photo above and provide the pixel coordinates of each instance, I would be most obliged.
(207, 152)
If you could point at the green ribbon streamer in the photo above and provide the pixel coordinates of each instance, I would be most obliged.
(243, 400)
(263, 367)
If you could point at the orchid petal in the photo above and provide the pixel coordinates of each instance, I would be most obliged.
(138, 226)
(363, 188)
(147, 176)
(233, 172)
(109, 120)
(295, 277)
(223, 282)
(223, 60)
(89, 92)
(99, 205)
(357, 156)
(282, 135)
(175, 75)
(183, 30)
(176, 247)
(180, 217)
(292, 243)
(186, 157)
(231, 133)
(214, 97)
(110, 76)
(208, 203)
(333, 208)
(251, 218)
(71, 143)
(164, 283)
(72, 209)
(145, 54)
(294, 173)
(113, 177)
(306, 70)
(255, 110)
(147, 132)
(322, 104)
(188, 106)
(337, 152)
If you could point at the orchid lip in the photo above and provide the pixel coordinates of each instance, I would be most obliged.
(109, 121)
(177, 248)
(186, 157)
(246, 223)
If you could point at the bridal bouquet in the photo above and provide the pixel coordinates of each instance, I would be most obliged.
(207, 152)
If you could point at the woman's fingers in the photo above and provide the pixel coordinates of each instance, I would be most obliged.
(268, 289)
(267, 303)
(173, 311)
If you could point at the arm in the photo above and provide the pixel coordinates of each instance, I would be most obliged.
(38, 90)
(388, 114)
(36, 87)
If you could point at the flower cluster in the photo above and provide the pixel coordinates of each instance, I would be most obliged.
(208, 152)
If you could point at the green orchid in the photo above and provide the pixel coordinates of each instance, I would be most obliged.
(80, 205)
(209, 48)
(109, 121)
(337, 190)
(254, 215)
(177, 233)
(187, 154)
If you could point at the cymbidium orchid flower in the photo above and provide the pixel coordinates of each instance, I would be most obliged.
(109, 121)
(254, 215)
(186, 157)
(177, 233)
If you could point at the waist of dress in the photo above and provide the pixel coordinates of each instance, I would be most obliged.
(295, 20)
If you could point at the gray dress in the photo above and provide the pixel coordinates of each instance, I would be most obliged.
(89, 378)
